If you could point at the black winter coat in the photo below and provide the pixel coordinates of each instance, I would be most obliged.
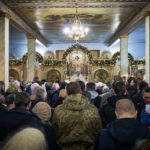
(107, 112)
(122, 134)
(15, 119)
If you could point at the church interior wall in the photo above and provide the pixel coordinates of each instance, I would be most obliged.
(137, 50)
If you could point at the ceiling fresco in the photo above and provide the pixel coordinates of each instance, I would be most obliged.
(102, 23)
(48, 18)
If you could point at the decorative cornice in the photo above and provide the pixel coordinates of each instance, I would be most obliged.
(21, 23)
(31, 37)
(2, 14)
(41, 1)
(129, 26)
(124, 36)
(147, 14)
(81, 4)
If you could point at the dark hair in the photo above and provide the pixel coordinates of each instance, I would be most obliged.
(36, 79)
(2, 83)
(142, 85)
(43, 81)
(82, 85)
(73, 88)
(120, 88)
(11, 99)
(130, 79)
(142, 145)
(90, 86)
(40, 93)
(62, 85)
(146, 90)
(2, 99)
(48, 86)
(22, 99)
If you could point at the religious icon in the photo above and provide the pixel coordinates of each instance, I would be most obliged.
(101, 75)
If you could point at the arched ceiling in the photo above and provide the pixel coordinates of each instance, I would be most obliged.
(106, 19)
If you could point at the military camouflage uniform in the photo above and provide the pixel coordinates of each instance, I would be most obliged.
(76, 123)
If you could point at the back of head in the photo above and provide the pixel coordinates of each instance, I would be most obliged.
(131, 79)
(142, 85)
(55, 86)
(36, 79)
(40, 93)
(2, 99)
(73, 88)
(119, 88)
(90, 86)
(34, 88)
(11, 98)
(63, 93)
(26, 139)
(42, 110)
(13, 88)
(82, 84)
(146, 90)
(125, 108)
(2, 84)
(22, 99)
(62, 85)
(48, 86)
(142, 145)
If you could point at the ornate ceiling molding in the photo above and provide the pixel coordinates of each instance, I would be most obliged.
(131, 24)
(81, 4)
(41, 1)
(15, 19)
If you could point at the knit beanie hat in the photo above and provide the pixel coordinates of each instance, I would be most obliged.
(42, 110)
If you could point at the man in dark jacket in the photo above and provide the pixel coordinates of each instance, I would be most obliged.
(138, 98)
(18, 117)
(95, 98)
(121, 134)
(107, 112)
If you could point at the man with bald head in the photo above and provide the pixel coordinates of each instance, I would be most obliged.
(123, 132)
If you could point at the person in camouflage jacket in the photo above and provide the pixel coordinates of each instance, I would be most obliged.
(76, 121)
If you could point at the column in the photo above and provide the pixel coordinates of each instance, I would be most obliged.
(147, 47)
(31, 58)
(124, 55)
(4, 48)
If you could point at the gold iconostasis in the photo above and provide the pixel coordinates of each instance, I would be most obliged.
(94, 65)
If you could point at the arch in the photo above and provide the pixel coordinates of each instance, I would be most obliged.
(117, 56)
(38, 56)
(14, 73)
(53, 75)
(77, 47)
(106, 54)
(101, 75)
(49, 55)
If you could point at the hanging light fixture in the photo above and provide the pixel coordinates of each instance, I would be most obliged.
(77, 31)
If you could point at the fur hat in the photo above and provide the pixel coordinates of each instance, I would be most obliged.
(42, 110)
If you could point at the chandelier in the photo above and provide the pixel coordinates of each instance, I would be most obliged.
(77, 31)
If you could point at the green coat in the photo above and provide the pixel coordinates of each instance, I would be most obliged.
(76, 123)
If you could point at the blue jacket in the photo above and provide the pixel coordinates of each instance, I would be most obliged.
(145, 118)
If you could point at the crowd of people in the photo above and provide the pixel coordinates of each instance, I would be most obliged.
(41, 115)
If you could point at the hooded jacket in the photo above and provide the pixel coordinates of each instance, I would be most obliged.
(15, 119)
(122, 134)
(76, 123)
(108, 111)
